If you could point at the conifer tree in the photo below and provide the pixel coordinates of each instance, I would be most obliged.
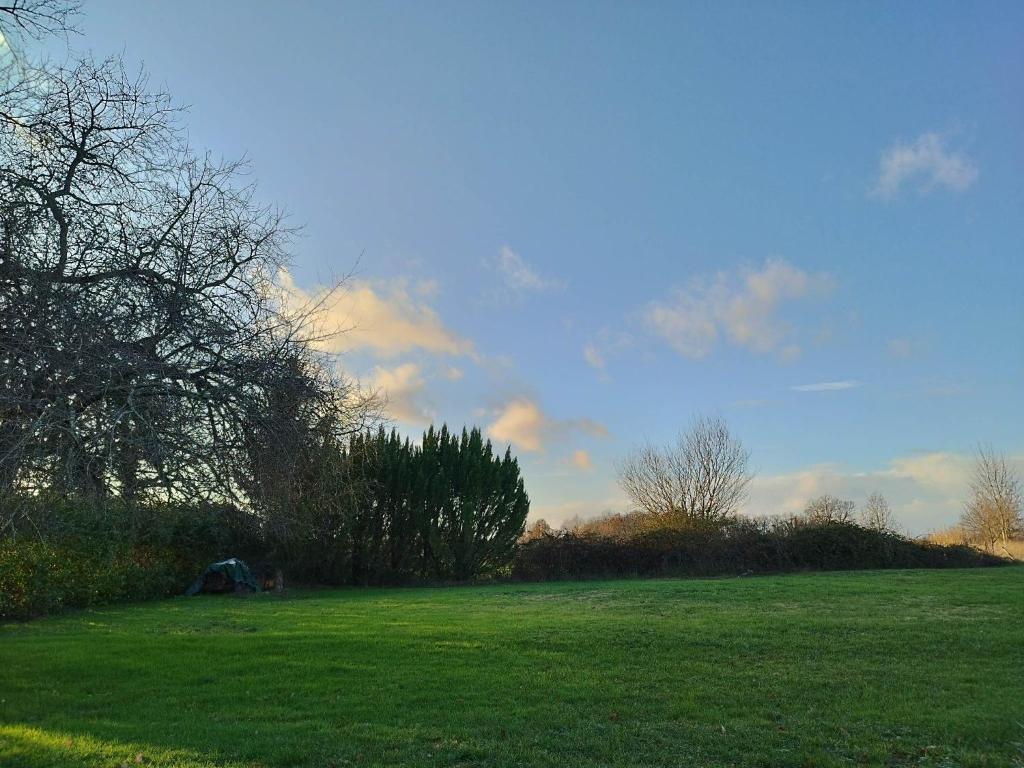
(446, 509)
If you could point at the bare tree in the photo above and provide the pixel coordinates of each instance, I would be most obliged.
(703, 477)
(994, 513)
(141, 330)
(876, 514)
(39, 18)
(538, 529)
(829, 509)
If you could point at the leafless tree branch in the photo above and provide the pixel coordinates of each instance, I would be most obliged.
(993, 514)
(141, 331)
(704, 477)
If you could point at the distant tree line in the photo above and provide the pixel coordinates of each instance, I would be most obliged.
(734, 546)
(686, 520)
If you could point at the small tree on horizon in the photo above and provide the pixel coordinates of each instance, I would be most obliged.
(537, 529)
(829, 509)
(994, 513)
(876, 514)
(702, 478)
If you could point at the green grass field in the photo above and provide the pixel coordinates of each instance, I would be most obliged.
(874, 668)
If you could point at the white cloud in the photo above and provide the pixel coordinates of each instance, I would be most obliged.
(926, 163)
(383, 318)
(594, 357)
(827, 386)
(741, 307)
(927, 491)
(900, 348)
(520, 276)
(603, 345)
(947, 472)
(582, 461)
(687, 323)
(403, 386)
(523, 423)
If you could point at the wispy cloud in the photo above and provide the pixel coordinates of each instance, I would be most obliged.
(403, 387)
(386, 319)
(581, 460)
(606, 343)
(742, 307)
(900, 348)
(519, 276)
(523, 423)
(927, 163)
(827, 386)
(594, 357)
(927, 491)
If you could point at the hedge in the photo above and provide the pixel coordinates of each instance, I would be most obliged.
(62, 553)
(735, 547)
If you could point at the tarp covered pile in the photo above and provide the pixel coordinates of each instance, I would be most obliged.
(231, 575)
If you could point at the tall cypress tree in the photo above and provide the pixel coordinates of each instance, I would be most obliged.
(446, 509)
(483, 505)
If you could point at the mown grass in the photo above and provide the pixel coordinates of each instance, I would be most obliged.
(898, 668)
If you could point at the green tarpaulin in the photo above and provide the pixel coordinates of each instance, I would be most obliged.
(233, 571)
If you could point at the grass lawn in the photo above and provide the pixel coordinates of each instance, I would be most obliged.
(904, 668)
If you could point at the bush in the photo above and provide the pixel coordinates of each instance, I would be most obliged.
(66, 553)
(735, 546)
(378, 509)
(39, 578)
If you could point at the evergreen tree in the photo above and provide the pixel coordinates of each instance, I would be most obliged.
(446, 509)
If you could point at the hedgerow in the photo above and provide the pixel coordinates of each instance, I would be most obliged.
(733, 546)
(68, 553)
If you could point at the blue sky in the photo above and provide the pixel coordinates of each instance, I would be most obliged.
(580, 224)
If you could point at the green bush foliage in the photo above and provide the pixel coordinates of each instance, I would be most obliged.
(381, 510)
(40, 578)
(68, 553)
(376, 510)
(734, 546)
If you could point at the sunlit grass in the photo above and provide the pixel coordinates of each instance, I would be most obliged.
(884, 668)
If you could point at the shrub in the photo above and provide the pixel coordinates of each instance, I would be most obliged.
(67, 553)
(378, 509)
(39, 578)
(734, 546)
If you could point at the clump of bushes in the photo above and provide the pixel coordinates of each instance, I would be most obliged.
(378, 509)
(732, 546)
(40, 577)
(72, 553)
(375, 509)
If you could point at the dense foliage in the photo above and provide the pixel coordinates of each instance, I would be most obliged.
(374, 510)
(379, 509)
(735, 546)
(72, 553)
